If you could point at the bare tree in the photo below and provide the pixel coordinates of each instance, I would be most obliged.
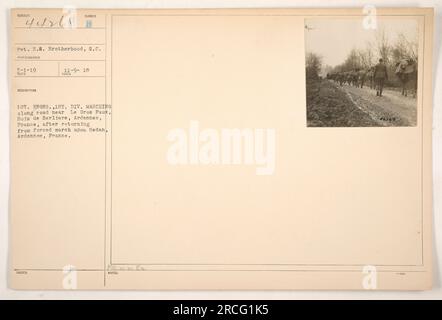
(383, 46)
(353, 60)
(313, 65)
(404, 48)
(368, 55)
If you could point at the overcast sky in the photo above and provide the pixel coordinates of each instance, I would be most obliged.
(333, 38)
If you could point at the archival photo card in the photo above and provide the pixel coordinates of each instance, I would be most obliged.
(362, 72)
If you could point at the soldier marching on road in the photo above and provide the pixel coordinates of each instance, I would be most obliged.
(380, 75)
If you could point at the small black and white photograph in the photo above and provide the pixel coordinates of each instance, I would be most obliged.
(361, 75)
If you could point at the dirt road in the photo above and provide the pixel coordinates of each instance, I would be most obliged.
(392, 109)
(332, 105)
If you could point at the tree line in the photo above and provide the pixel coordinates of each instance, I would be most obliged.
(364, 58)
